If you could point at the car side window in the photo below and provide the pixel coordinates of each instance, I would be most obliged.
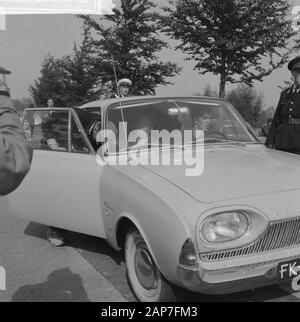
(33, 121)
(79, 144)
(47, 129)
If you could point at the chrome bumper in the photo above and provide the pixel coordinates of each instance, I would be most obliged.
(236, 275)
(224, 282)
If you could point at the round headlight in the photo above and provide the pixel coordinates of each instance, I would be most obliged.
(224, 227)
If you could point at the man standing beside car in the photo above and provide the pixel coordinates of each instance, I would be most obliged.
(284, 133)
(15, 151)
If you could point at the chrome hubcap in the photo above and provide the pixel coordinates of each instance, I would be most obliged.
(145, 269)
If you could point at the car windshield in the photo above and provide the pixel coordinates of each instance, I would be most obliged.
(177, 122)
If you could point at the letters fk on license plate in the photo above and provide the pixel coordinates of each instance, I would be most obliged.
(288, 270)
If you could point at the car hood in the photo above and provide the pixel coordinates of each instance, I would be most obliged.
(234, 172)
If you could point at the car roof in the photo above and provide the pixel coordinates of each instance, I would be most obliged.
(104, 103)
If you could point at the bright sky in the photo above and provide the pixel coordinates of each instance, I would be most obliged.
(28, 38)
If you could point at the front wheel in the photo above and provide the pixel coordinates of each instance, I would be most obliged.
(146, 281)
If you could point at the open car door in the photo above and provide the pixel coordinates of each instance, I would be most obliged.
(62, 188)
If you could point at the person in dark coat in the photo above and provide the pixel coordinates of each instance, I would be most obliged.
(15, 151)
(284, 133)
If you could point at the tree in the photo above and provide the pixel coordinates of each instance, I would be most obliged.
(266, 115)
(131, 41)
(208, 91)
(248, 102)
(239, 40)
(270, 111)
(71, 80)
(52, 83)
(21, 104)
(83, 82)
(287, 84)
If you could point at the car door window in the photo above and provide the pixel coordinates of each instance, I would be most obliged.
(56, 130)
(47, 129)
(79, 144)
(32, 124)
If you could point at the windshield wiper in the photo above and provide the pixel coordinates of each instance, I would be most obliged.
(152, 145)
(215, 140)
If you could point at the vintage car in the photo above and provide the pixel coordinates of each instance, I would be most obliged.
(229, 227)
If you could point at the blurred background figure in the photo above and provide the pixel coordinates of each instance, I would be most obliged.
(266, 128)
(50, 103)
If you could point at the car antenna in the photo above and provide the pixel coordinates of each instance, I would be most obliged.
(115, 74)
(119, 96)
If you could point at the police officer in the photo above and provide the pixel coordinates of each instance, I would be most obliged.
(123, 88)
(284, 133)
(15, 151)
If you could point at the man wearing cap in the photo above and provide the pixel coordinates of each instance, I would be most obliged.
(15, 151)
(284, 133)
(123, 88)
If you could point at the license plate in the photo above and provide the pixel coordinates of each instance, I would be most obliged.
(287, 271)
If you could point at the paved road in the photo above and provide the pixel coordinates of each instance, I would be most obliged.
(37, 272)
(88, 269)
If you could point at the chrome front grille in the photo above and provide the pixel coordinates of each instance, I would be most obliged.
(279, 235)
(267, 265)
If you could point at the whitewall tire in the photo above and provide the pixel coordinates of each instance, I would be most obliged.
(145, 279)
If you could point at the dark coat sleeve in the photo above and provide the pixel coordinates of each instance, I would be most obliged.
(272, 132)
(15, 151)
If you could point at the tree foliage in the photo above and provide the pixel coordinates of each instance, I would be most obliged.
(21, 104)
(239, 40)
(248, 102)
(71, 80)
(51, 84)
(83, 80)
(129, 38)
(266, 115)
(208, 91)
